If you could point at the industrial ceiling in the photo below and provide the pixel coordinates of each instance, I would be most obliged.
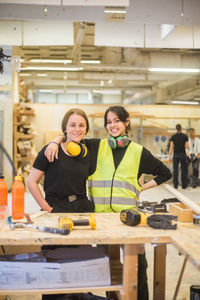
(107, 46)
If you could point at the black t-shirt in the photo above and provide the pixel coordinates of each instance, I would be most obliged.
(179, 140)
(148, 163)
(65, 178)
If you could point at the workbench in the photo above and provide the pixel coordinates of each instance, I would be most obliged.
(111, 231)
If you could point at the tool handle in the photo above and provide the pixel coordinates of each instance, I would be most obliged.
(83, 222)
(54, 230)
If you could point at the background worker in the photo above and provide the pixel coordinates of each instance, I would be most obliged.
(193, 156)
(118, 164)
(178, 145)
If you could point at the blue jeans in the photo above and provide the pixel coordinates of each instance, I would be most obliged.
(180, 158)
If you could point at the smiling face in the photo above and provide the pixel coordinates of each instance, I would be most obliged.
(76, 128)
(115, 126)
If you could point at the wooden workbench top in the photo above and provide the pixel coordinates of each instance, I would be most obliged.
(110, 230)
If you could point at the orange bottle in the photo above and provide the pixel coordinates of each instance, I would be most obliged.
(3, 191)
(18, 192)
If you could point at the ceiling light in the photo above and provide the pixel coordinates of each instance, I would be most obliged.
(90, 61)
(41, 75)
(24, 74)
(45, 91)
(185, 102)
(174, 70)
(59, 61)
(115, 10)
(107, 92)
(52, 68)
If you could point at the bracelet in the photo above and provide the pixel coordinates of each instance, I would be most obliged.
(53, 143)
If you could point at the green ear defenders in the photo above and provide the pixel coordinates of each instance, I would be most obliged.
(77, 149)
(119, 142)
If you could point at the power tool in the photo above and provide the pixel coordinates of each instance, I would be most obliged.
(64, 231)
(68, 223)
(152, 207)
(133, 217)
(196, 219)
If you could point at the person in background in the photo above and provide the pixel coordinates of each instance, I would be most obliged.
(193, 156)
(118, 163)
(178, 145)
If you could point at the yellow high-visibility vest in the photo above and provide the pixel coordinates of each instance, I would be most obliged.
(114, 190)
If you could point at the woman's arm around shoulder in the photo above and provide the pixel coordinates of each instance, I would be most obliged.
(51, 151)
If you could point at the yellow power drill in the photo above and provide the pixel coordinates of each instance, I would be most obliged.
(68, 223)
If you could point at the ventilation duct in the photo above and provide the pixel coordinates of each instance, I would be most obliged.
(112, 56)
(130, 55)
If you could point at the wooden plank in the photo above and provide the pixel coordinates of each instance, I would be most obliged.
(180, 278)
(159, 272)
(110, 230)
(63, 291)
(38, 214)
(183, 198)
(130, 272)
(186, 241)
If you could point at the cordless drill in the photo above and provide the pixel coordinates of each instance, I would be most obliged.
(68, 223)
(133, 217)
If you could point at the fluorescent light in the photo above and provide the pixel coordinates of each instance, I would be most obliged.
(185, 102)
(41, 75)
(45, 91)
(174, 70)
(107, 92)
(52, 69)
(24, 74)
(90, 61)
(115, 10)
(59, 61)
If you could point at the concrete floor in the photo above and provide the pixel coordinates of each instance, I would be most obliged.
(174, 260)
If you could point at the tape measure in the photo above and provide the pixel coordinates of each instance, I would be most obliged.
(196, 219)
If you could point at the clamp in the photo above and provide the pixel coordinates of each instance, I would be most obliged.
(159, 221)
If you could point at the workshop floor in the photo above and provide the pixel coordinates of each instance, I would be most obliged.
(174, 260)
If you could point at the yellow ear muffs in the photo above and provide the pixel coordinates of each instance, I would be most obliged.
(77, 149)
